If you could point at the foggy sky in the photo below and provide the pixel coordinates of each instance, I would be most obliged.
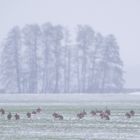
(118, 17)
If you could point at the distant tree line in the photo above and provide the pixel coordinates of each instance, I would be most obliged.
(51, 59)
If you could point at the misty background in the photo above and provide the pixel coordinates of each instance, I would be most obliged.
(117, 17)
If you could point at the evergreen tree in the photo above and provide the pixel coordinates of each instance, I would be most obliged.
(31, 38)
(111, 65)
(67, 61)
(57, 49)
(47, 75)
(47, 59)
(85, 39)
(11, 66)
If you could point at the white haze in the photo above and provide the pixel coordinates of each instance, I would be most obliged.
(119, 17)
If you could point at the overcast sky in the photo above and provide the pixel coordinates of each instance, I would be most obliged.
(118, 17)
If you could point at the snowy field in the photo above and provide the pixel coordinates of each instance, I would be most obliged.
(44, 127)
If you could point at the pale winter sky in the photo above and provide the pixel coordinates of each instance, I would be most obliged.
(118, 17)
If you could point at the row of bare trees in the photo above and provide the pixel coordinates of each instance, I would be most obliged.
(49, 59)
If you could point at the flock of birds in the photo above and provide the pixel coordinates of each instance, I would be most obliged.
(103, 114)
(17, 116)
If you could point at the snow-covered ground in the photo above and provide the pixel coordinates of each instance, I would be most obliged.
(67, 97)
(44, 127)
